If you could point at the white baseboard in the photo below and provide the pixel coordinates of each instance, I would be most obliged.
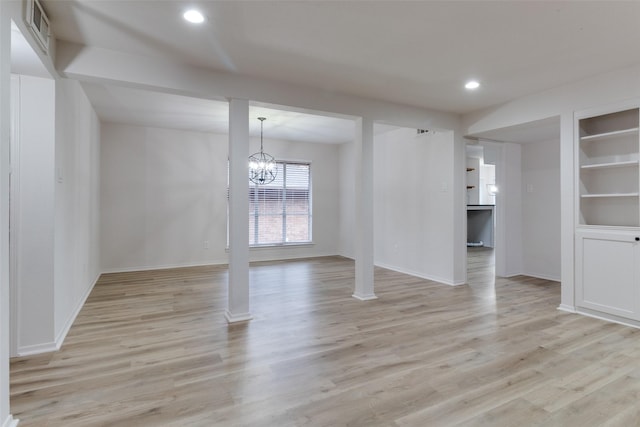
(10, 421)
(420, 275)
(508, 275)
(72, 318)
(163, 267)
(607, 317)
(542, 276)
(567, 308)
(30, 350)
(236, 318)
(365, 297)
(280, 257)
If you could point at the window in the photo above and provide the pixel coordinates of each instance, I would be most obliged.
(280, 212)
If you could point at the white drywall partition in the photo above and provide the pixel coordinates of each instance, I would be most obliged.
(541, 209)
(77, 203)
(413, 203)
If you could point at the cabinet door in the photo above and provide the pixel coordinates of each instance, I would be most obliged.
(607, 273)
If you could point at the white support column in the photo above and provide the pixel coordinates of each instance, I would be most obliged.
(568, 192)
(508, 233)
(238, 286)
(364, 212)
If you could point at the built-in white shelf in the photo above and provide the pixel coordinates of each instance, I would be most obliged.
(608, 155)
(609, 135)
(602, 195)
(607, 233)
(626, 163)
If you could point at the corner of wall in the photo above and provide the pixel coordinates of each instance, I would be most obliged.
(62, 334)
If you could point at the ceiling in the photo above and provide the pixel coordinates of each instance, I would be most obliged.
(417, 53)
(23, 59)
(144, 108)
(537, 131)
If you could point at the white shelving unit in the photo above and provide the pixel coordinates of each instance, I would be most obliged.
(611, 165)
(608, 160)
(607, 238)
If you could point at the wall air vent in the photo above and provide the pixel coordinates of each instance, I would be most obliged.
(38, 23)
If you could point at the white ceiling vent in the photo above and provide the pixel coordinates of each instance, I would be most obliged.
(38, 23)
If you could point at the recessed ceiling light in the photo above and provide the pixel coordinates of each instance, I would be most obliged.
(472, 84)
(193, 16)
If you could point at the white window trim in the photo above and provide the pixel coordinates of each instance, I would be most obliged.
(278, 245)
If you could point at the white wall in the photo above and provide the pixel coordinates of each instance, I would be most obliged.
(5, 126)
(77, 203)
(164, 194)
(541, 209)
(413, 203)
(33, 230)
(56, 208)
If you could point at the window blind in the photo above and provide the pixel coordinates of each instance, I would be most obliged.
(280, 212)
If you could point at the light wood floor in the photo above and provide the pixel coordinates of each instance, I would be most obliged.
(153, 349)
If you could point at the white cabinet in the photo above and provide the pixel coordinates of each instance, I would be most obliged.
(608, 273)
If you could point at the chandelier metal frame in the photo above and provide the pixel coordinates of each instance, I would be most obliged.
(262, 166)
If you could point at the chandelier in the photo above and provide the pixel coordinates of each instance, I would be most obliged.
(262, 166)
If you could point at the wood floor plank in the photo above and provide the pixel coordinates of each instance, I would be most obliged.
(503, 415)
(153, 349)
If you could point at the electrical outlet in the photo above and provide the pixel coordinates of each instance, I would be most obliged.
(206, 244)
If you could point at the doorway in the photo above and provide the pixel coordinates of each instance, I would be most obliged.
(481, 192)
(527, 198)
